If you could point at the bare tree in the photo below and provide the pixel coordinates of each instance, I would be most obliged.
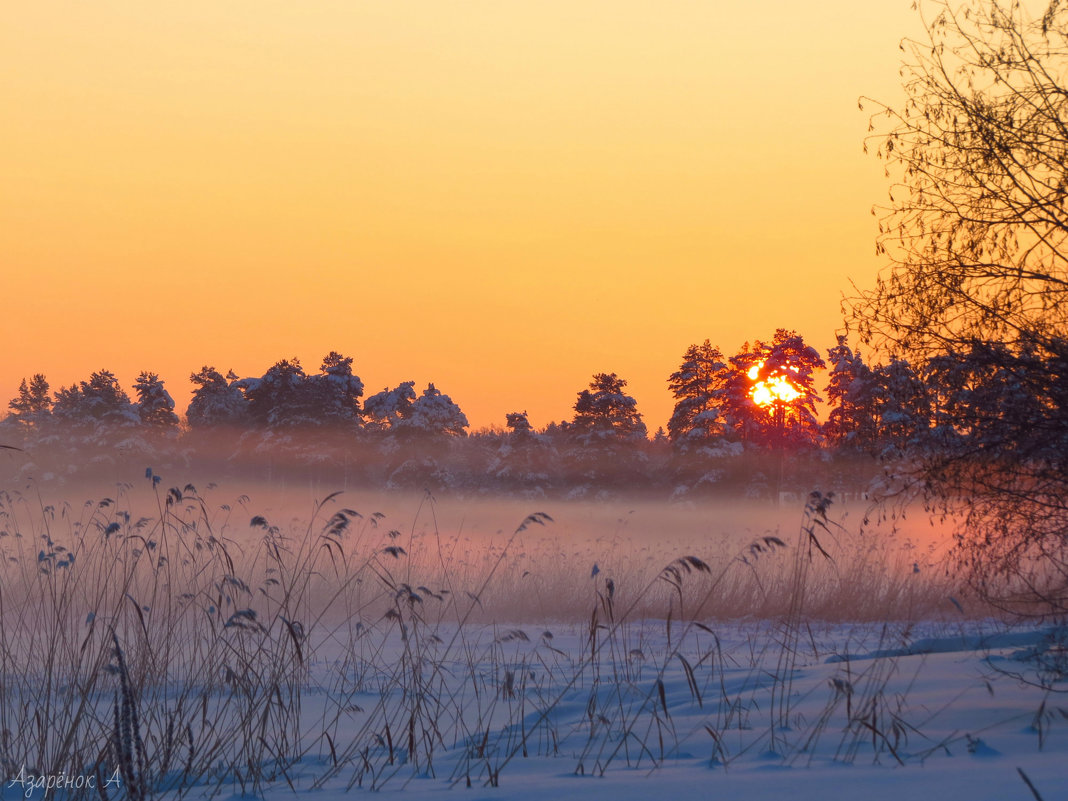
(977, 282)
(978, 159)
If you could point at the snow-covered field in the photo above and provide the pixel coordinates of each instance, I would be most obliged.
(624, 652)
(938, 713)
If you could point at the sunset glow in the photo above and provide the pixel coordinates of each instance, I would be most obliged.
(500, 198)
(773, 389)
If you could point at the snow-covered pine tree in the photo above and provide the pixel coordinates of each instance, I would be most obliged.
(518, 424)
(783, 421)
(282, 398)
(100, 401)
(387, 408)
(851, 423)
(33, 406)
(155, 406)
(605, 414)
(983, 400)
(217, 401)
(741, 416)
(792, 422)
(902, 408)
(435, 414)
(698, 387)
(337, 392)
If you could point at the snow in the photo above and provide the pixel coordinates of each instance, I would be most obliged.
(426, 694)
(966, 727)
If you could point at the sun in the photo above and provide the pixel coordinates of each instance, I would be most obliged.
(773, 389)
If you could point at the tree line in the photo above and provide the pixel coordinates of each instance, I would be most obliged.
(764, 396)
(880, 409)
(760, 402)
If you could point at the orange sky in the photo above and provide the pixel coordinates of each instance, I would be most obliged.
(500, 197)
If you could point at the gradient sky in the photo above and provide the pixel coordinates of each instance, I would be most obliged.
(500, 197)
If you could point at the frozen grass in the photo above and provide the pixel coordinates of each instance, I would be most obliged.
(201, 648)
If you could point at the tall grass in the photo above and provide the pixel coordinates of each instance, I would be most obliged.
(202, 646)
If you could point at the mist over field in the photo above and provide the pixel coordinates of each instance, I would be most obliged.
(872, 565)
